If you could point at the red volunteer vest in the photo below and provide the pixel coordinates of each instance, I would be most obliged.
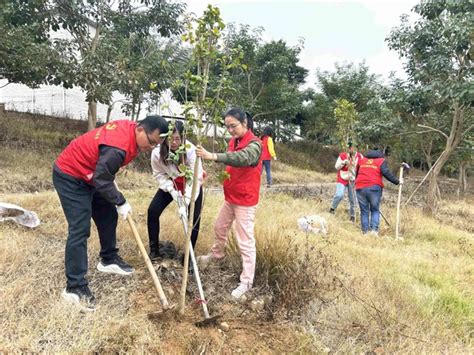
(80, 157)
(179, 184)
(265, 152)
(369, 173)
(355, 160)
(243, 186)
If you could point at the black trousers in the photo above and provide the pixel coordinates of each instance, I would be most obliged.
(80, 202)
(161, 200)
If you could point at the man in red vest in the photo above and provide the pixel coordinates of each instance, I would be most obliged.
(345, 166)
(369, 185)
(83, 176)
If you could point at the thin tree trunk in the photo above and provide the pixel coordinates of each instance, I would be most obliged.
(465, 182)
(133, 111)
(455, 136)
(92, 115)
(109, 112)
(138, 110)
(462, 179)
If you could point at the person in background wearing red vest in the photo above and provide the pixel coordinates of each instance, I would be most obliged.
(369, 186)
(345, 165)
(241, 193)
(166, 173)
(268, 152)
(83, 176)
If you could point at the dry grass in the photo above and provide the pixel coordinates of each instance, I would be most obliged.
(415, 296)
(341, 293)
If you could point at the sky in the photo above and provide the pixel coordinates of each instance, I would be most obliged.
(333, 31)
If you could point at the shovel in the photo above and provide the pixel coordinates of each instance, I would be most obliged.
(404, 166)
(146, 258)
(208, 321)
(149, 265)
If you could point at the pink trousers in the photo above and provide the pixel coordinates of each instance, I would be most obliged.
(244, 217)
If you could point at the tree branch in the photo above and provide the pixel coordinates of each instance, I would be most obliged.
(468, 129)
(265, 113)
(434, 129)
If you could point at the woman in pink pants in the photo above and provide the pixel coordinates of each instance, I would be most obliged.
(241, 192)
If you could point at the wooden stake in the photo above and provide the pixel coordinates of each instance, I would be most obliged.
(397, 226)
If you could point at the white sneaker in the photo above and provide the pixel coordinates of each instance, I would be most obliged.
(374, 233)
(240, 290)
(115, 266)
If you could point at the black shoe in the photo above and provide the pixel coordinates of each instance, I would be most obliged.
(155, 255)
(352, 219)
(332, 210)
(115, 266)
(81, 296)
(167, 249)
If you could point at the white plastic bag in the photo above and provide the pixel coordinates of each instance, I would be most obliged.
(10, 212)
(313, 224)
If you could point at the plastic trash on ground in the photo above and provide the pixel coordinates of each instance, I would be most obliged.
(313, 224)
(10, 212)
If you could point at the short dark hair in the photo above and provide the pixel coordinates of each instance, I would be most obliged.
(153, 122)
(241, 116)
(268, 131)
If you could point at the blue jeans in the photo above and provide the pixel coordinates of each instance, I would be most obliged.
(266, 165)
(369, 200)
(340, 188)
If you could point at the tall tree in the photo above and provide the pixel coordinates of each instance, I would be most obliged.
(437, 49)
(89, 22)
(92, 58)
(269, 84)
(357, 85)
(27, 55)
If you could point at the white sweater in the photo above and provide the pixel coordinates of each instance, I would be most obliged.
(165, 173)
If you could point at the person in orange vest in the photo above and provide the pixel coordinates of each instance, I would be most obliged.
(83, 176)
(345, 165)
(241, 194)
(166, 172)
(268, 152)
(369, 185)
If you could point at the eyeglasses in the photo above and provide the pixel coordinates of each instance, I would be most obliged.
(175, 139)
(152, 144)
(232, 126)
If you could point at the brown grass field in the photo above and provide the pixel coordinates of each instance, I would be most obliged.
(342, 293)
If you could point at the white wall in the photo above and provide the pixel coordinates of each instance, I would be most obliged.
(57, 101)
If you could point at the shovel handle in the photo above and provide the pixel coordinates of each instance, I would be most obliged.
(146, 258)
(149, 265)
(397, 225)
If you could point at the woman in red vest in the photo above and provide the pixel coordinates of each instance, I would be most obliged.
(346, 165)
(268, 152)
(241, 192)
(369, 185)
(166, 173)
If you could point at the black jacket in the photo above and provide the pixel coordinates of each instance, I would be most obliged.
(109, 162)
